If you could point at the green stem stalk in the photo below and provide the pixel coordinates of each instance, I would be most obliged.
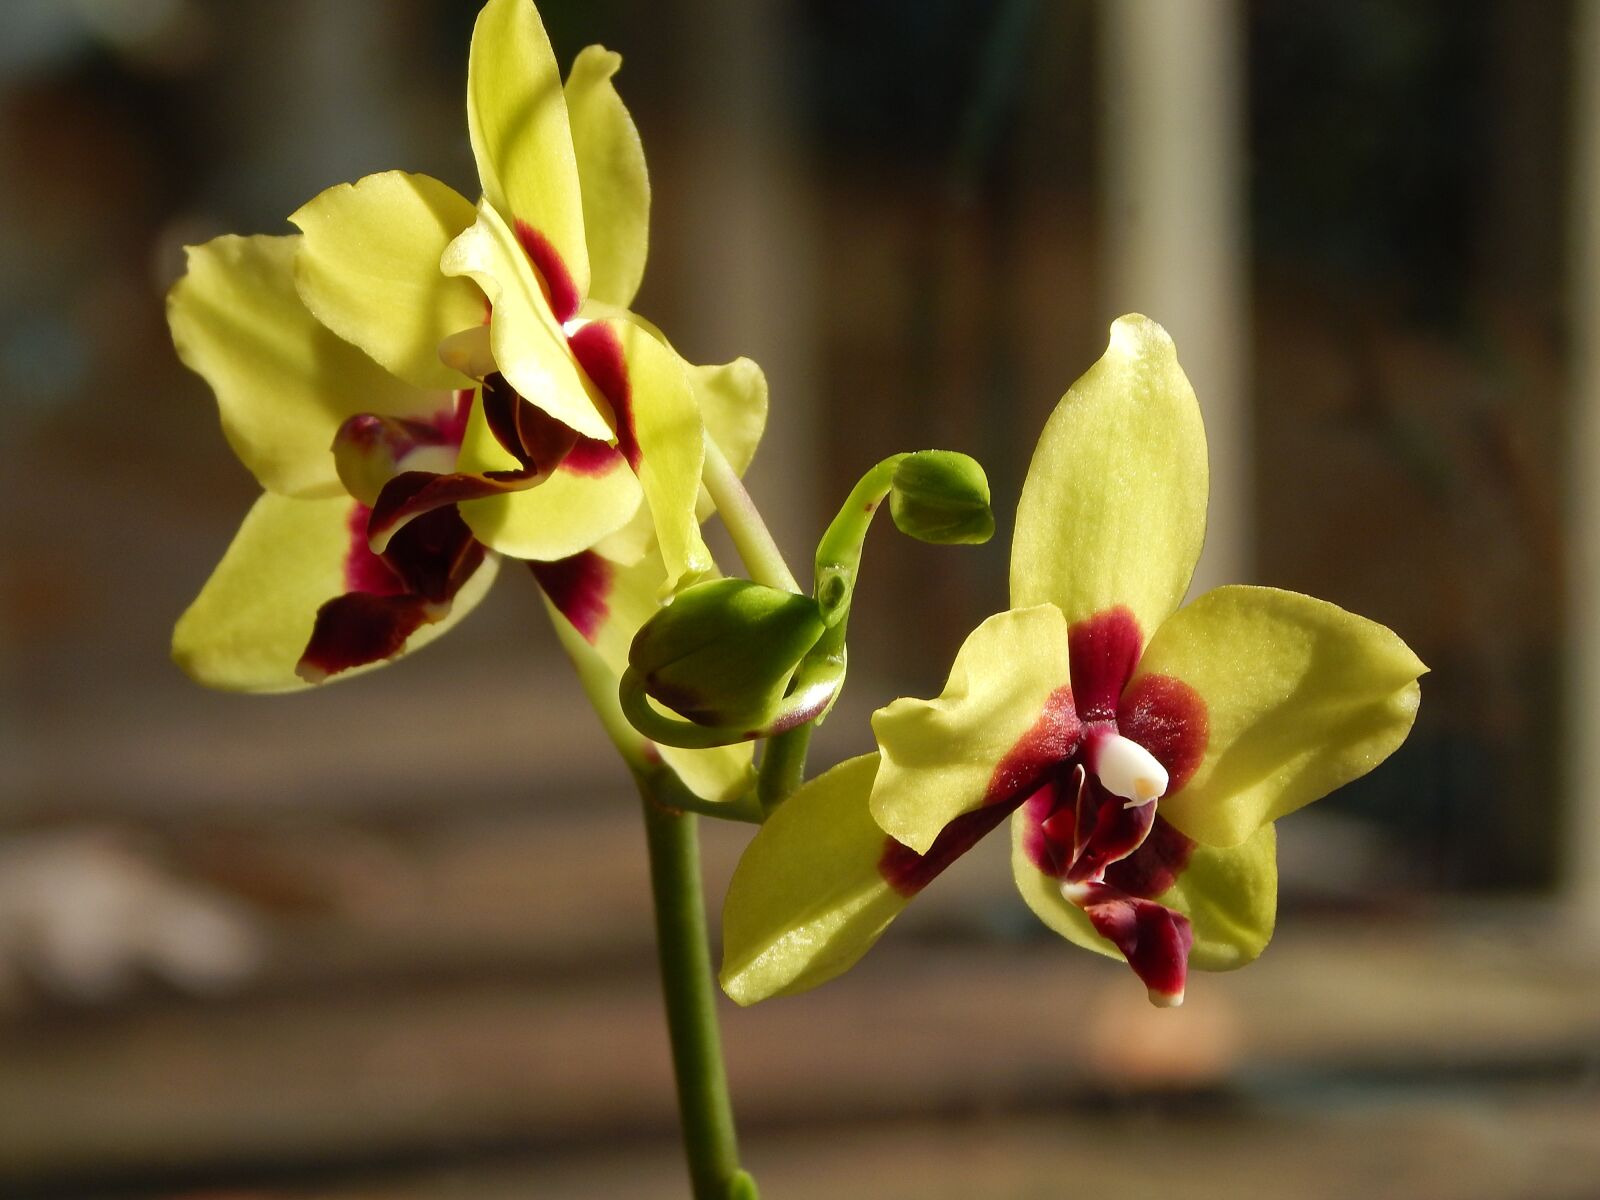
(686, 983)
(783, 766)
(751, 537)
(783, 763)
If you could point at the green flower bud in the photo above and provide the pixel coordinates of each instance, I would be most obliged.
(942, 497)
(722, 652)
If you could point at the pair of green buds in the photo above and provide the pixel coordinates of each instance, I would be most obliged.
(738, 660)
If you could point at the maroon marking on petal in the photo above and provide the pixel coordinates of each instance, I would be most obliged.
(1153, 938)
(1050, 820)
(562, 292)
(499, 400)
(1155, 866)
(1052, 739)
(1104, 649)
(578, 587)
(591, 457)
(1105, 831)
(451, 422)
(545, 440)
(908, 872)
(435, 555)
(526, 432)
(359, 628)
(1168, 718)
(411, 495)
(598, 350)
(364, 571)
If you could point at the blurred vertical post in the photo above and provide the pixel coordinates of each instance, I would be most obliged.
(1174, 136)
(748, 287)
(1581, 868)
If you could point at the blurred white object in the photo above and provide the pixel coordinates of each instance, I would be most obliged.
(85, 915)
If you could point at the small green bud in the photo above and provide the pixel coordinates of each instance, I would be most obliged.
(942, 497)
(722, 652)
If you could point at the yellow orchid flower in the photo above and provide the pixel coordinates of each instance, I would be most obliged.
(1141, 750)
(399, 440)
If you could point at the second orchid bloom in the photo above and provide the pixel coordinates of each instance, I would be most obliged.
(422, 384)
(1141, 751)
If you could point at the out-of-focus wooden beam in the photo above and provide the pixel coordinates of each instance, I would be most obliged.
(1174, 137)
(746, 286)
(1581, 868)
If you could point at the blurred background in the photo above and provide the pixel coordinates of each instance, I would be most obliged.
(392, 938)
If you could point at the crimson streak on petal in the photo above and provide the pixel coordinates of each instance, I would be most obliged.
(908, 872)
(598, 350)
(579, 587)
(1103, 651)
(1155, 865)
(364, 571)
(1051, 740)
(564, 298)
(1168, 718)
(427, 563)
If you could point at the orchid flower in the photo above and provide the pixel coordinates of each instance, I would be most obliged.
(1142, 750)
(402, 442)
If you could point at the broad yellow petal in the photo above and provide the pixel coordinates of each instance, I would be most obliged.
(1005, 715)
(808, 898)
(659, 431)
(368, 269)
(1301, 697)
(284, 383)
(1113, 509)
(611, 172)
(733, 404)
(250, 624)
(517, 120)
(529, 345)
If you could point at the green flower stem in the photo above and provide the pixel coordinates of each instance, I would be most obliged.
(783, 766)
(839, 551)
(686, 983)
(751, 538)
(783, 763)
(681, 942)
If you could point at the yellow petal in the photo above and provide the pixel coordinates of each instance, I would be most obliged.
(591, 495)
(247, 629)
(611, 172)
(529, 346)
(1113, 510)
(368, 269)
(807, 900)
(517, 119)
(733, 404)
(1006, 702)
(659, 431)
(1301, 698)
(284, 383)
